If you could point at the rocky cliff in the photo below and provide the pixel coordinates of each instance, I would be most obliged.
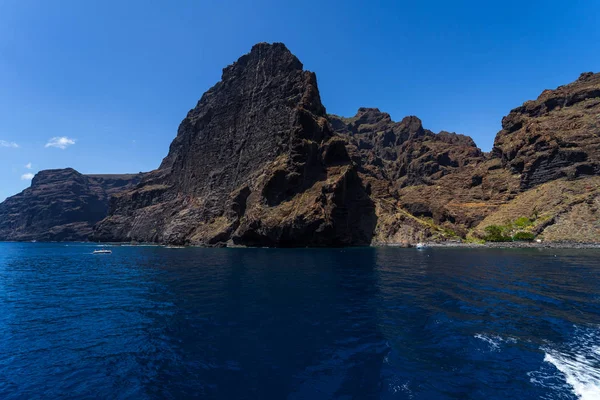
(60, 205)
(259, 162)
(254, 163)
(555, 136)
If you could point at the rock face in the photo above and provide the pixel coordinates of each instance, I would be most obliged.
(555, 136)
(60, 205)
(423, 179)
(254, 163)
(453, 189)
(258, 162)
(404, 151)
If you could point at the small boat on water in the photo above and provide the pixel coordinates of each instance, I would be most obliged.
(103, 251)
(420, 245)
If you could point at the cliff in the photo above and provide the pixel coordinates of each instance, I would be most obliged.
(60, 205)
(254, 163)
(259, 162)
(555, 136)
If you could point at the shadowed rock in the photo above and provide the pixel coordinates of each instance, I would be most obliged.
(60, 205)
(258, 162)
(254, 163)
(555, 136)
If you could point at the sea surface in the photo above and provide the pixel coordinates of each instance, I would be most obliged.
(369, 323)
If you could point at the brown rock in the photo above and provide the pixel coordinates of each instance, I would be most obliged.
(555, 136)
(60, 205)
(253, 164)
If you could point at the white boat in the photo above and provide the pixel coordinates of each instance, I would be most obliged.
(420, 245)
(102, 251)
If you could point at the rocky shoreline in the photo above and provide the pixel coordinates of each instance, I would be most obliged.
(509, 245)
(447, 245)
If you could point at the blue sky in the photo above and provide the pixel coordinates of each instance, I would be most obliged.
(101, 86)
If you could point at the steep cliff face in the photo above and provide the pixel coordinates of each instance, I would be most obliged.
(405, 152)
(557, 135)
(254, 163)
(441, 185)
(258, 162)
(60, 205)
(416, 175)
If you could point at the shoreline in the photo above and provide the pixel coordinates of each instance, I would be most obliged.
(457, 245)
(500, 245)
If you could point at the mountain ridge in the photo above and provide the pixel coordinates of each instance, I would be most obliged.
(60, 204)
(259, 162)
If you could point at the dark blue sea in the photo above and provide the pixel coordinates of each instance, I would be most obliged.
(370, 323)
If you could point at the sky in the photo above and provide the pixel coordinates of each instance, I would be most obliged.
(101, 86)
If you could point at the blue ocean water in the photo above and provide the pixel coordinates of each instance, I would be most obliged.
(371, 323)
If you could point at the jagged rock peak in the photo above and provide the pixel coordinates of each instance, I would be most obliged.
(273, 56)
(251, 99)
(61, 204)
(412, 125)
(54, 175)
(366, 115)
(586, 87)
(253, 163)
(555, 135)
(586, 76)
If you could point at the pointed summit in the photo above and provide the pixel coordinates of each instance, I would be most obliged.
(274, 56)
(256, 139)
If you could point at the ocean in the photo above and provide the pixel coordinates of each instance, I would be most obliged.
(360, 323)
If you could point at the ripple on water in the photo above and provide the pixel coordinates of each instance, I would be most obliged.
(151, 323)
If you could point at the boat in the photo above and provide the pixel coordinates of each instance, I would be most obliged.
(103, 251)
(420, 245)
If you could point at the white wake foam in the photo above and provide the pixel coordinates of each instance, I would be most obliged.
(494, 340)
(579, 363)
(582, 372)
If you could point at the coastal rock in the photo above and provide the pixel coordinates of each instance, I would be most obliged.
(561, 210)
(404, 151)
(417, 175)
(254, 163)
(555, 136)
(60, 205)
(259, 162)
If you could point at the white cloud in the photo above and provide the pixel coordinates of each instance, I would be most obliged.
(27, 177)
(4, 143)
(60, 142)
(28, 165)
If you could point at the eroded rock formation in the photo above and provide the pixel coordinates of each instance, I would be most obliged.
(254, 163)
(555, 136)
(60, 205)
(258, 162)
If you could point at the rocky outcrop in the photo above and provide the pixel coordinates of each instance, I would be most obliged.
(557, 135)
(425, 175)
(254, 163)
(404, 152)
(60, 205)
(258, 162)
